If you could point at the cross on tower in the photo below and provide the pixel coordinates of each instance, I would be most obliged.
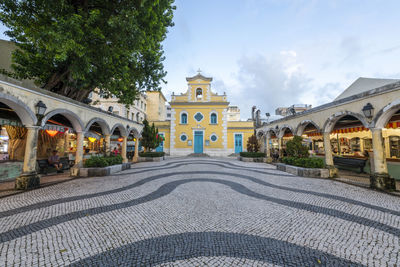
(199, 71)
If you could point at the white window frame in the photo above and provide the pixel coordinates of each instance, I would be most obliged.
(216, 113)
(183, 134)
(180, 117)
(215, 139)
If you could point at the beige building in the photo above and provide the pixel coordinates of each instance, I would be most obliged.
(135, 112)
(233, 113)
(157, 110)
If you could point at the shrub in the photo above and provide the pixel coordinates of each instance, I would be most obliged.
(252, 144)
(95, 161)
(151, 154)
(304, 162)
(295, 148)
(114, 160)
(100, 162)
(252, 154)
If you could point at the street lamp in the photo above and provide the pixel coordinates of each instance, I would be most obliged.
(368, 111)
(40, 108)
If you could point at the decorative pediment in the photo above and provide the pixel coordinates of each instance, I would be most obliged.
(198, 77)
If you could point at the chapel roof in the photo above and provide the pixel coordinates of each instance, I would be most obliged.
(198, 77)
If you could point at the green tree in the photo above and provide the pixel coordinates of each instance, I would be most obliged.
(295, 148)
(150, 137)
(252, 144)
(72, 47)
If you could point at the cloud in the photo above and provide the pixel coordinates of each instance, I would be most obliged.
(269, 82)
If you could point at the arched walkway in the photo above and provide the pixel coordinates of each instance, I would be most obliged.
(26, 115)
(72, 117)
(103, 124)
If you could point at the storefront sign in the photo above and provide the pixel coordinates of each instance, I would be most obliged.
(10, 122)
(53, 127)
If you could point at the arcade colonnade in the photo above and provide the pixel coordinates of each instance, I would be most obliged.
(38, 110)
(372, 115)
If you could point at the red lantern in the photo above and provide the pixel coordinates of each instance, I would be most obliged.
(52, 133)
(120, 139)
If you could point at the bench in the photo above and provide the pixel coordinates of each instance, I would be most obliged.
(350, 162)
(45, 167)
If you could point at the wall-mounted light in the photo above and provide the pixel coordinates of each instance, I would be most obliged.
(40, 108)
(110, 109)
(368, 111)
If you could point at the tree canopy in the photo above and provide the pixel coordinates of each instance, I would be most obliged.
(72, 47)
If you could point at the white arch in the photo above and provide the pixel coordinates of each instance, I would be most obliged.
(103, 124)
(384, 115)
(333, 119)
(302, 125)
(76, 122)
(121, 129)
(135, 132)
(25, 114)
(285, 126)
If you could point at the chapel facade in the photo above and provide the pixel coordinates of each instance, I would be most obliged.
(200, 125)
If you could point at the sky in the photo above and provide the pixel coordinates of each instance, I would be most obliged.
(274, 53)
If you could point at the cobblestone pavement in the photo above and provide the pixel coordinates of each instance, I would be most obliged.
(200, 212)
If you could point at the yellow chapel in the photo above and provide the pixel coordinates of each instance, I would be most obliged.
(200, 123)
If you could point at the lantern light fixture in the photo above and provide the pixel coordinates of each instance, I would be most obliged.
(120, 139)
(92, 139)
(52, 133)
(40, 108)
(368, 111)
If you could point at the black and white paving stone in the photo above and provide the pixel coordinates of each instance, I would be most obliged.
(200, 212)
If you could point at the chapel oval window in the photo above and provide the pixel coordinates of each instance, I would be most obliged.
(214, 138)
(183, 137)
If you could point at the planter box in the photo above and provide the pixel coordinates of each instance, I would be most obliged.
(248, 159)
(304, 172)
(150, 159)
(91, 172)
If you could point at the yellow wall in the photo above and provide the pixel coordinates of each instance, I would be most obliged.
(209, 128)
(239, 127)
(164, 127)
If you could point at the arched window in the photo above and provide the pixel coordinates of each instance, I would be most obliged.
(199, 93)
(213, 118)
(184, 118)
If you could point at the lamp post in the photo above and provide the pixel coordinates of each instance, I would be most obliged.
(368, 111)
(40, 111)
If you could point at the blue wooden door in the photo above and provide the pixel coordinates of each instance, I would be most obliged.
(238, 143)
(198, 142)
(160, 147)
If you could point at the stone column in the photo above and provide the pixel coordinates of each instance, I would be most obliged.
(123, 150)
(380, 178)
(328, 155)
(66, 144)
(136, 153)
(280, 142)
(267, 147)
(107, 139)
(29, 177)
(78, 155)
